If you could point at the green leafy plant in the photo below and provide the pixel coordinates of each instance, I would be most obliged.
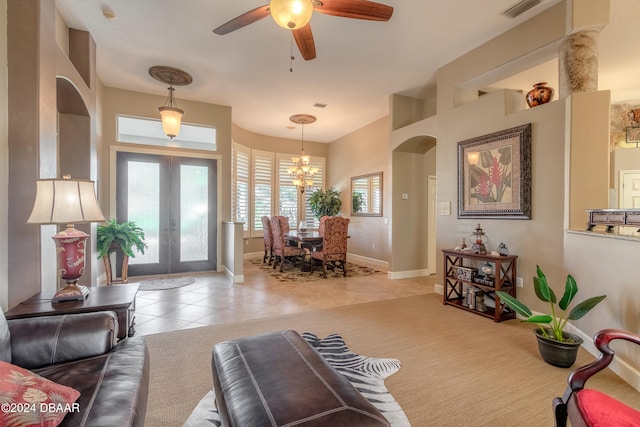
(357, 202)
(325, 202)
(552, 325)
(127, 235)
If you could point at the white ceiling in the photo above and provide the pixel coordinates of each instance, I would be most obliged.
(359, 64)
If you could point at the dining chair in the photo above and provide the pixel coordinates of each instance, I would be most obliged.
(281, 250)
(268, 240)
(590, 407)
(317, 247)
(334, 245)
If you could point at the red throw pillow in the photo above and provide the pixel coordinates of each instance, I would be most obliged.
(27, 399)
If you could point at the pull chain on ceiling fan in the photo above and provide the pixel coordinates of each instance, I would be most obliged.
(295, 15)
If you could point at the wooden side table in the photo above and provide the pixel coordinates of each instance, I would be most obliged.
(120, 299)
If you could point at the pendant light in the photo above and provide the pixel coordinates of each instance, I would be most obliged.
(169, 112)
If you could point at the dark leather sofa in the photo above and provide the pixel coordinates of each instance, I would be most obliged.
(80, 351)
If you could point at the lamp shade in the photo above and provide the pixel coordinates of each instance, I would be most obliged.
(291, 14)
(171, 117)
(65, 201)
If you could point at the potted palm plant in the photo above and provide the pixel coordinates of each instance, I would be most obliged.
(325, 203)
(125, 236)
(557, 347)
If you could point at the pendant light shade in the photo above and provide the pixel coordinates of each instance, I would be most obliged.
(171, 120)
(291, 14)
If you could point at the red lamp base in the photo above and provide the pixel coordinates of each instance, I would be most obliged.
(70, 246)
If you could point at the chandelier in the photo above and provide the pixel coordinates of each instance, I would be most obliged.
(170, 113)
(301, 173)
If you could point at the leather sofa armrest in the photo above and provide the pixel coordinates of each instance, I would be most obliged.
(48, 340)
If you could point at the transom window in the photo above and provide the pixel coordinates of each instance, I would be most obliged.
(142, 130)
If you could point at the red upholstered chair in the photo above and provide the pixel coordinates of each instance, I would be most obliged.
(268, 240)
(281, 251)
(334, 245)
(321, 226)
(588, 407)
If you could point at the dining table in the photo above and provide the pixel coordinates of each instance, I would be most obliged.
(307, 240)
(311, 236)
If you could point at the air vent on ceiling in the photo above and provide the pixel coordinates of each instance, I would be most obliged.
(319, 105)
(520, 7)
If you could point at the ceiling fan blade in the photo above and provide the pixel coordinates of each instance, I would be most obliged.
(358, 9)
(243, 20)
(304, 40)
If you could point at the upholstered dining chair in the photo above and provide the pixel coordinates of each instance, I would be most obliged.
(268, 240)
(589, 407)
(321, 226)
(282, 251)
(334, 245)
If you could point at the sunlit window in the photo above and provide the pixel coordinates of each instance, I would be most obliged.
(140, 130)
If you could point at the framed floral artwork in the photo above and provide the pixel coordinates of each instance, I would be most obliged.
(494, 175)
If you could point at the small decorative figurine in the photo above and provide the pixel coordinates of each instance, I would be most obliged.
(502, 249)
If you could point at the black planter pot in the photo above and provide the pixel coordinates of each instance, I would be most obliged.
(560, 354)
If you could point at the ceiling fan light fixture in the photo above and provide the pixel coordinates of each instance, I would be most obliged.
(291, 14)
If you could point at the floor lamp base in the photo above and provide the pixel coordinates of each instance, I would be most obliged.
(71, 292)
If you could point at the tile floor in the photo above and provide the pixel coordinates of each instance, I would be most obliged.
(213, 299)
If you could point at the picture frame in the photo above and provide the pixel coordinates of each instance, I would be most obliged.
(494, 175)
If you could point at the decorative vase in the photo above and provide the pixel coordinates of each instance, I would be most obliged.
(540, 94)
(560, 354)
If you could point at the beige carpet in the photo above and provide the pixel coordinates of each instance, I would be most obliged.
(458, 369)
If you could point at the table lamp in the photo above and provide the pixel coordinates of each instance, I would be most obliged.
(67, 201)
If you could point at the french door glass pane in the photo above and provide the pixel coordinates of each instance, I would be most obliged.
(144, 207)
(194, 213)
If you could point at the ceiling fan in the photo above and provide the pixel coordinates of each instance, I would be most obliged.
(294, 15)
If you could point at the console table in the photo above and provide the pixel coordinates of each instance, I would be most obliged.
(460, 275)
(120, 299)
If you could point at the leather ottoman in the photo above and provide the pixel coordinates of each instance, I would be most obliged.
(278, 379)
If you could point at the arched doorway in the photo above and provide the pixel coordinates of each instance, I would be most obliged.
(413, 207)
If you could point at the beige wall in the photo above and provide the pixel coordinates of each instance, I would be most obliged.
(363, 152)
(32, 139)
(4, 159)
(569, 161)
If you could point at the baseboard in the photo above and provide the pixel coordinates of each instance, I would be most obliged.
(625, 371)
(407, 274)
(233, 278)
(438, 289)
(368, 262)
